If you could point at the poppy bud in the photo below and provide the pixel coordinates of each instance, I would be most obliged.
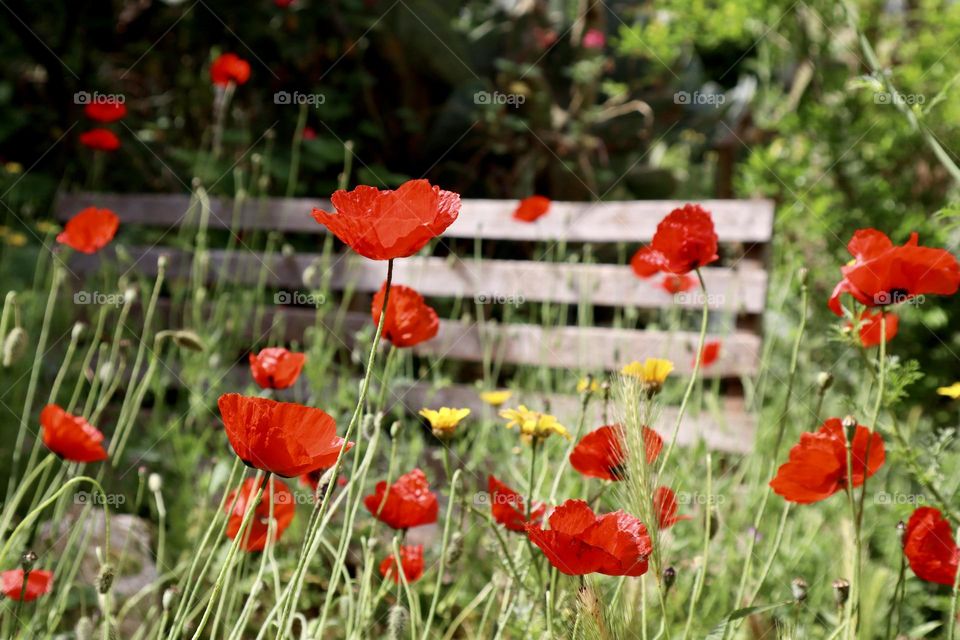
(14, 346)
(105, 580)
(287, 250)
(162, 261)
(841, 591)
(799, 588)
(669, 577)
(27, 560)
(200, 294)
(397, 622)
(169, 597)
(824, 380)
(78, 329)
(395, 429)
(129, 295)
(901, 530)
(188, 340)
(256, 158)
(154, 482)
(455, 550)
(309, 275)
(850, 428)
(105, 372)
(84, 629)
(802, 274)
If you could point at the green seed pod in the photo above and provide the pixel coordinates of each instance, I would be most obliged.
(105, 580)
(397, 622)
(14, 346)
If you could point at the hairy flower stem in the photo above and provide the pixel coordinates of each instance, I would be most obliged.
(951, 631)
(55, 281)
(693, 376)
(581, 421)
(454, 481)
(232, 552)
(705, 558)
(292, 595)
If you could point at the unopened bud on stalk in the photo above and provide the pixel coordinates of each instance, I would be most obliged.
(154, 482)
(287, 250)
(850, 428)
(455, 550)
(669, 577)
(841, 591)
(84, 629)
(105, 580)
(105, 372)
(169, 598)
(901, 531)
(395, 429)
(256, 158)
(187, 339)
(162, 261)
(200, 295)
(14, 346)
(802, 275)
(309, 275)
(27, 560)
(397, 622)
(799, 588)
(824, 380)
(129, 295)
(78, 329)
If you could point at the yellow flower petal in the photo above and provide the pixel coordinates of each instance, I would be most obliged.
(953, 391)
(495, 398)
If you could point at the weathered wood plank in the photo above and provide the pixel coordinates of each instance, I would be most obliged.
(575, 348)
(515, 282)
(731, 430)
(747, 221)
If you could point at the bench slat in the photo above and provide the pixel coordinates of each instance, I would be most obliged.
(747, 221)
(576, 348)
(740, 290)
(732, 431)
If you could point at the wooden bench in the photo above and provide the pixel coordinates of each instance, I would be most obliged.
(737, 290)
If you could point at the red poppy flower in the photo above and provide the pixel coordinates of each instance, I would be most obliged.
(411, 559)
(255, 537)
(229, 67)
(817, 466)
(872, 332)
(507, 506)
(882, 273)
(665, 505)
(100, 140)
(284, 438)
(39, 583)
(276, 368)
(409, 502)
(410, 320)
(532, 208)
(71, 437)
(601, 454)
(90, 230)
(710, 353)
(580, 542)
(381, 225)
(685, 240)
(930, 548)
(674, 284)
(106, 111)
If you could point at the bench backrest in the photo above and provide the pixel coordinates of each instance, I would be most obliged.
(737, 290)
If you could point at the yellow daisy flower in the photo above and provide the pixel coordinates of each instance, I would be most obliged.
(588, 385)
(495, 398)
(953, 391)
(533, 424)
(48, 228)
(445, 420)
(652, 372)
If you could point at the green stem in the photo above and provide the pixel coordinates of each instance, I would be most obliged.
(693, 376)
(443, 555)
